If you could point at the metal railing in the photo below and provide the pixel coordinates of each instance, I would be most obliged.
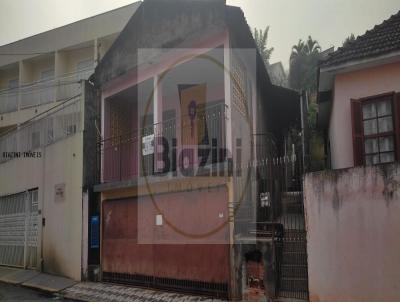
(59, 123)
(42, 92)
(120, 156)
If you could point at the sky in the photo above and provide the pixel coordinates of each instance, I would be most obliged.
(327, 21)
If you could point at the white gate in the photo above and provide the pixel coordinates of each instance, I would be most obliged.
(19, 229)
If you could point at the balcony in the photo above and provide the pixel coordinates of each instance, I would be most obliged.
(63, 121)
(42, 92)
(183, 143)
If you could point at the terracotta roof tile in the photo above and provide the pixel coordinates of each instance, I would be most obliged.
(382, 39)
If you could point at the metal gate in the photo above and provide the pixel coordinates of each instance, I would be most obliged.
(280, 178)
(19, 229)
(291, 256)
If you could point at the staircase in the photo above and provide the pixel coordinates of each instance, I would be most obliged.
(293, 279)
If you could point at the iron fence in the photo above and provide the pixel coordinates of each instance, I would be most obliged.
(57, 124)
(43, 92)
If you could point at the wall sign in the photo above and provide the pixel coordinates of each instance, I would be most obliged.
(59, 191)
(148, 144)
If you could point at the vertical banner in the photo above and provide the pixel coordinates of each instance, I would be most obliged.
(193, 122)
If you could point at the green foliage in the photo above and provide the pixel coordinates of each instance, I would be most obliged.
(261, 39)
(304, 65)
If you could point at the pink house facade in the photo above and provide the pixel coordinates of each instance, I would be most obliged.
(352, 208)
(185, 98)
(365, 71)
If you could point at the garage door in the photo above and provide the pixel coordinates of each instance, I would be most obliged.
(164, 261)
(19, 229)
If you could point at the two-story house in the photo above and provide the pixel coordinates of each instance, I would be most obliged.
(188, 114)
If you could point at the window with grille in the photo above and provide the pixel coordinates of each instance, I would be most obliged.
(239, 86)
(376, 129)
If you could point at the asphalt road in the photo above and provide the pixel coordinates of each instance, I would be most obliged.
(16, 293)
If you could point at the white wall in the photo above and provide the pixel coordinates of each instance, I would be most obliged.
(62, 234)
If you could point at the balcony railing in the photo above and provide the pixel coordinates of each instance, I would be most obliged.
(63, 121)
(121, 158)
(42, 92)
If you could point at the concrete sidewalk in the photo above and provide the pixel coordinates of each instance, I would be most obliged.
(90, 291)
(35, 279)
(105, 292)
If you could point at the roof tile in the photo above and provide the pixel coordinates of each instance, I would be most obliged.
(382, 39)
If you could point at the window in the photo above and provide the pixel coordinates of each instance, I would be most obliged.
(376, 129)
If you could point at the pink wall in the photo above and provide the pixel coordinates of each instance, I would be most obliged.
(132, 243)
(353, 232)
(356, 84)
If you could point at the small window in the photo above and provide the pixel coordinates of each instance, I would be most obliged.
(378, 126)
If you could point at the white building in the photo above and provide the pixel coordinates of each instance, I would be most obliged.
(45, 200)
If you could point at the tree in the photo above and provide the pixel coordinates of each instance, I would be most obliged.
(261, 39)
(348, 40)
(303, 76)
(304, 64)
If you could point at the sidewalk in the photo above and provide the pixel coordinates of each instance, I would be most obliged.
(90, 291)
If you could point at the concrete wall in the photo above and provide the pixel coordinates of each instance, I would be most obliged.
(354, 85)
(353, 226)
(61, 163)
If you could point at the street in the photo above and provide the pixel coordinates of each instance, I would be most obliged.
(16, 293)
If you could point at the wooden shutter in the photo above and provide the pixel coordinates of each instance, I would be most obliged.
(397, 123)
(358, 132)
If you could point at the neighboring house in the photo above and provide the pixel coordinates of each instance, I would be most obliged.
(277, 74)
(188, 119)
(45, 194)
(359, 102)
(352, 210)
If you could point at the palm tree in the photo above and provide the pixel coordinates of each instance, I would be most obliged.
(297, 50)
(261, 39)
(303, 65)
(312, 47)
